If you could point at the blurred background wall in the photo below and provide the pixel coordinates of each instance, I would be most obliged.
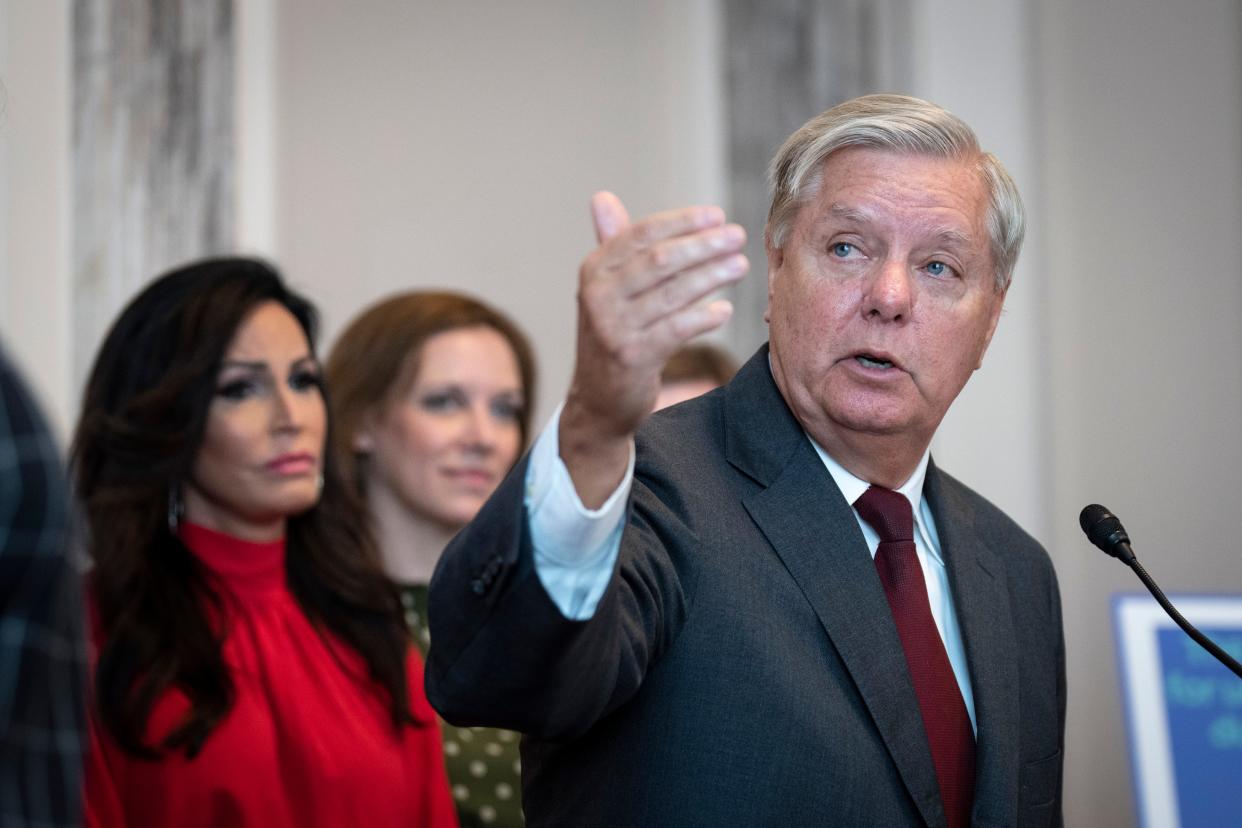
(385, 145)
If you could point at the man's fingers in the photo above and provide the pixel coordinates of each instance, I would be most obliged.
(673, 331)
(674, 256)
(643, 234)
(647, 350)
(642, 270)
(686, 288)
(608, 215)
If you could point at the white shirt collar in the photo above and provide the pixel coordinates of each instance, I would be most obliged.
(852, 487)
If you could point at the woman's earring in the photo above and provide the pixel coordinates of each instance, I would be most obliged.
(319, 483)
(176, 509)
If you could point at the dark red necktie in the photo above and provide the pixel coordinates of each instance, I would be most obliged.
(945, 718)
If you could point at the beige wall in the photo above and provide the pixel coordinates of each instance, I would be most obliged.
(433, 144)
(34, 199)
(1141, 115)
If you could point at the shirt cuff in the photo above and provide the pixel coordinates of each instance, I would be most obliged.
(575, 548)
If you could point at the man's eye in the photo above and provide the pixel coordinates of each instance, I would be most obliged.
(937, 268)
(842, 249)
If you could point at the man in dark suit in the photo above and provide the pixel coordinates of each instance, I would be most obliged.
(776, 610)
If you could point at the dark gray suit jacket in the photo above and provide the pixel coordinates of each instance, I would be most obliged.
(743, 667)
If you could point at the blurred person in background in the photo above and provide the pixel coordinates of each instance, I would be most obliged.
(693, 370)
(42, 657)
(252, 664)
(431, 396)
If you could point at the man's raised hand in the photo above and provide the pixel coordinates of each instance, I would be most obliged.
(641, 294)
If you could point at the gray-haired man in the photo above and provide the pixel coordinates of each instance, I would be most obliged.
(783, 613)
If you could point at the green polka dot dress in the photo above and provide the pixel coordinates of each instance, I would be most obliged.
(484, 767)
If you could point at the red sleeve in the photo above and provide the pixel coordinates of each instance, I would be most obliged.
(425, 745)
(101, 799)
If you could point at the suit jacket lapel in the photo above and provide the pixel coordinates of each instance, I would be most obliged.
(815, 533)
(981, 600)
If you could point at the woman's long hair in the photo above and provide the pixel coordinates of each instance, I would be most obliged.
(143, 417)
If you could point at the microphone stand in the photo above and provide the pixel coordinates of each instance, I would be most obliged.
(1203, 641)
(1105, 531)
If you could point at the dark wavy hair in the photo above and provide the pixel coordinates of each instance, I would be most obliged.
(143, 417)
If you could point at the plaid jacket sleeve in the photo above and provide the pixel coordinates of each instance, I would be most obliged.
(42, 655)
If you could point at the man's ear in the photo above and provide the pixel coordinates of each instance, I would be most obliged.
(776, 258)
(996, 312)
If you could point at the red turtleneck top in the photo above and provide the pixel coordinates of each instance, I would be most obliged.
(309, 741)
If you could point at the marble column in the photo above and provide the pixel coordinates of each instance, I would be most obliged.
(153, 149)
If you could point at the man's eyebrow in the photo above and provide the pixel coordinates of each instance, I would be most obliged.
(848, 213)
(945, 236)
(951, 237)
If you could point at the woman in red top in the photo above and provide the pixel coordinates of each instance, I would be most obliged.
(252, 666)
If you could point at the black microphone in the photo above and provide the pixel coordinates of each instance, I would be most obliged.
(1105, 531)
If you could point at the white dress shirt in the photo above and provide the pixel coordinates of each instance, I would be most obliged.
(576, 548)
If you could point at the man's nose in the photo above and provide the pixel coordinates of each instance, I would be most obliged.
(888, 292)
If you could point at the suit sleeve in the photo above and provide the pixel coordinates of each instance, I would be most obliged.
(502, 653)
(1055, 598)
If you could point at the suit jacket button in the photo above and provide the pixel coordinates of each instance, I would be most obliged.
(478, 587)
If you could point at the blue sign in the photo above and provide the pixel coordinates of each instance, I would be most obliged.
(1183, 710)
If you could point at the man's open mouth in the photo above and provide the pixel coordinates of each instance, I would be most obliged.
(869, 361)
